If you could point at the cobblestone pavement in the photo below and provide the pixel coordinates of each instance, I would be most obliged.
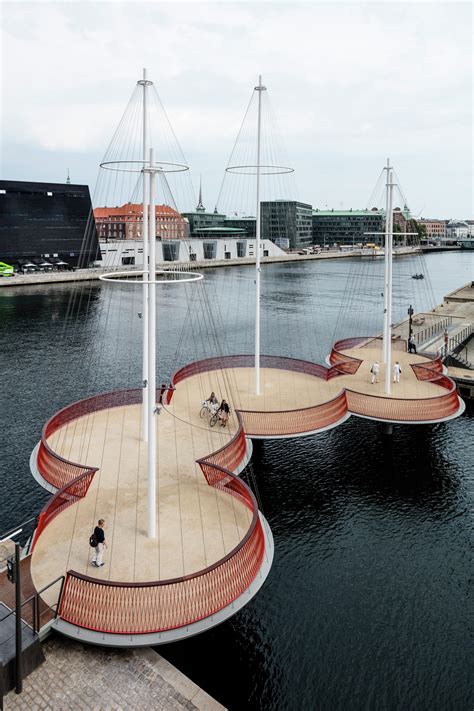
(86, 678)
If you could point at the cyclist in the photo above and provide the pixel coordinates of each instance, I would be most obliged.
(223, 412)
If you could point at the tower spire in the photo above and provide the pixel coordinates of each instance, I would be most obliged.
(68, 179)
(200, 207)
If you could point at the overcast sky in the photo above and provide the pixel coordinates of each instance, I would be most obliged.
(352, 83)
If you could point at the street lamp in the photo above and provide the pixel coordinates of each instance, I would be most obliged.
(410, 321)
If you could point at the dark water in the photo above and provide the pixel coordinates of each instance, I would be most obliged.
(366, 606)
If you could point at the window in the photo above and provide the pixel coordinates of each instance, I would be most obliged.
(210, 250)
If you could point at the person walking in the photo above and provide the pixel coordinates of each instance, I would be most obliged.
(374, 372)
(396, 372)
(411, 345)
(99, 534)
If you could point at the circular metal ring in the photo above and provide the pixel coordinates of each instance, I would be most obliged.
(117, 277)
(264, 169)
(131, 166)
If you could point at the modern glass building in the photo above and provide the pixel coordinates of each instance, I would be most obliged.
(287, 219)
(347, 226)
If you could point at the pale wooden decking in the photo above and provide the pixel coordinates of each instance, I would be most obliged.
(197, 525)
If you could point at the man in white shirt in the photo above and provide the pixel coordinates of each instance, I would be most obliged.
(396, 372)
(374, 371)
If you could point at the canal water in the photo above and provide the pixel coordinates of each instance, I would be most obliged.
(366, 606)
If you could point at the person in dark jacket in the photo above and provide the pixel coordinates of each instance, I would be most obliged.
(99, 534)
(223, 412)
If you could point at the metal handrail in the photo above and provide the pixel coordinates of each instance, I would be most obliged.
(35, 606)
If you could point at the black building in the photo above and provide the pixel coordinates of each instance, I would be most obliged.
(287, 219)
(47, 220)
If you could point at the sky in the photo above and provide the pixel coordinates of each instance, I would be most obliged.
(350, 82)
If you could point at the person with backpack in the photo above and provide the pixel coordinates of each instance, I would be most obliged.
(97, 541)
(396, 372)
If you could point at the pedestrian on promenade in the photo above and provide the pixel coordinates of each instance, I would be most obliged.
(99, 535)
(396, 372)
(374, 372)
(411, 345)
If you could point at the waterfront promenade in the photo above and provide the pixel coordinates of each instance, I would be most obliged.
(95, 273)
(80, 677)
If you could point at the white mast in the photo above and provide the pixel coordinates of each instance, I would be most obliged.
(151, 376)
(388, 281)
(258, 88)
(145, 83)
(385, 280)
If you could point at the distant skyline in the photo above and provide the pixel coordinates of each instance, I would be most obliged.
(352, 83)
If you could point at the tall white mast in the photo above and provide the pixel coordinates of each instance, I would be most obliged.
(388, 284)
(258, 88)
(145, 83)
(385, 280)
(151, 375)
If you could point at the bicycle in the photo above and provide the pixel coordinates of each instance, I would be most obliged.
(215, 418)
(208, 409)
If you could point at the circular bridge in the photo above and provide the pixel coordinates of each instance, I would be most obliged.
(214, 549)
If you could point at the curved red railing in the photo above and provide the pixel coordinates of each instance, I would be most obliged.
(69, 494)
(285, 423)
(139, 608)
(245, 361)
(407, 409)
(57, 470)
(228, 457)
(428, 371)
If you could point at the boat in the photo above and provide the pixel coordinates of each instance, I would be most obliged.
(418, 276)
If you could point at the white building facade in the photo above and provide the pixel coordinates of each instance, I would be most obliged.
(126, 253)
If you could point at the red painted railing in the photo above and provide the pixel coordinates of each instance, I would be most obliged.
(286, 423)
(406, 409)
(70, 494)
(138, 608)
(57, 470)
(229, 457)
(245, 361)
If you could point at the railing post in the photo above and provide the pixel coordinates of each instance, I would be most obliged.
(18, 635)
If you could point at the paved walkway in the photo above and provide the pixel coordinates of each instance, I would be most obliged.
(84, 678)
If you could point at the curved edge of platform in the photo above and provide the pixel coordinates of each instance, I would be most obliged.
(36, 473)
(248, 456)
(458, 413)
(297, 435)
(153, 639)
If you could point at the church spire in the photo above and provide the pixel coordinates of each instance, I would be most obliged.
(68, 179)
(200, 207)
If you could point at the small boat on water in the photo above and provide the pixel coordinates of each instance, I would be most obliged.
(418, 276)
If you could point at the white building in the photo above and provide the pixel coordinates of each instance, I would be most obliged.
(126, 252)
(457, 229)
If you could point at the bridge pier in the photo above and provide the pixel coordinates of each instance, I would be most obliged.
(387, 428)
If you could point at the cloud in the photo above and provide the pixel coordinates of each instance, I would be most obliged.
(350, 83)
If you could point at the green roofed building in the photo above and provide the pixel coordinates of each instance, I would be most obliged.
(347, 226)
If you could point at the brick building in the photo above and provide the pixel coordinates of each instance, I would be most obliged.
(435, 229)
(126, 222)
